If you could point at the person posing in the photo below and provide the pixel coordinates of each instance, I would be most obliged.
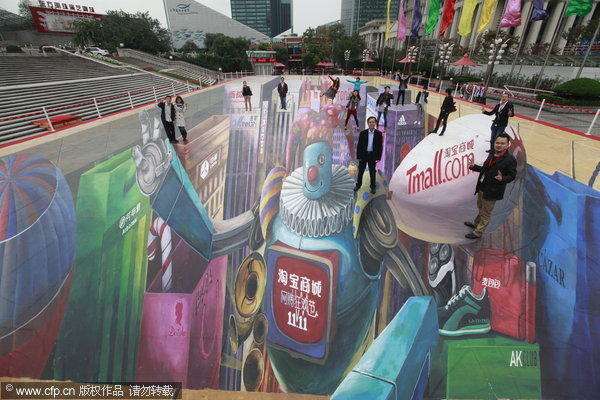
(420, 102)
(383, 103)
(282, 89)
(402, 88)
(501, 113)
(357, 83)
(498, 169)
(167, 116)
(368, 152)
(352, 108)
(445, 110)
(247, 93)
(180, 109)
(333, 89)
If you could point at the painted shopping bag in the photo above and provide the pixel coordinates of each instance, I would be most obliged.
(561, 230)
(510, 285)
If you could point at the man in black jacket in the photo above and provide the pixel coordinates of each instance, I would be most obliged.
(167, 116)
(445, 110)
(501, 112)
(402, 88)
(368, 152)
(499, 169)
(282, 89)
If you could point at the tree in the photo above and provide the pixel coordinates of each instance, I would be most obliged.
(281, 53)
(580, 32)
(223, 52)
(25, 12)
(137, 31)
(190, 47)
(328, 43)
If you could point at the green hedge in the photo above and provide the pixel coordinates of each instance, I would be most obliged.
(463, 79)
(11, 48)
(554, 99)
(582, 88)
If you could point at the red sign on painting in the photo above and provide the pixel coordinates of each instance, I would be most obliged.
(54, 20)
(301, 299)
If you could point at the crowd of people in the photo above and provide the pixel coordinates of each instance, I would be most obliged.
(495, 173)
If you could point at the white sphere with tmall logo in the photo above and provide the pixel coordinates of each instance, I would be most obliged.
(433, 187)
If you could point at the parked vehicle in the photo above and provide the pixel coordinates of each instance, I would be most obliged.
(97, 51)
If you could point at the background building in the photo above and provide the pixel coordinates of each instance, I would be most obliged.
(356, 13)
(191, 22)
(270, 17)
(532, 33)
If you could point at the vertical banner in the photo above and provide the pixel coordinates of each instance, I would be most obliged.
(580, 8)
(434, 15)
(448, 16)
(538, 11)
(512, 14)
(486, 14)
(401, 31)
(417, 18)
(466, 18)
(387, 21)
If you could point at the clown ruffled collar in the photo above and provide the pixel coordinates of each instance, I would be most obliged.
(321, 217)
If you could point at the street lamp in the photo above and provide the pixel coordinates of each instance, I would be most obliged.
(365, 55)
(445, 53)
(497, 49)
(413, 52)
(347, 57)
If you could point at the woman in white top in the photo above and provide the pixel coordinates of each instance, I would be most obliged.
(180, 108)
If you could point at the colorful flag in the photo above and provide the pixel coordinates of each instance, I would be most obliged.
(448, 16)
(486, 14)
(579, 7)
(466, 18)
(434, 15)
(387, 22)
(401, 22)
(512, 14)
(417, 19)
(538, 11)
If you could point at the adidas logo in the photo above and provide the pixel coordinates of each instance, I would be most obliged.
(401, 121)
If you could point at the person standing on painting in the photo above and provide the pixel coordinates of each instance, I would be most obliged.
(501, 113)
(180, 109)
(368, 152)
(383, 103)
(445, 110)
(282, 89)
(402, 88)
(357, 83)
(499, 169)
(420, 101)
(167, 116)
(247, 93)
(333, 89)
(352, 108)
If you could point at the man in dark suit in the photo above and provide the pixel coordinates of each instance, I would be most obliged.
(368, 152)
(501, 112)
(499, 169)
(402, 88)
(167, 116)
(282, 89)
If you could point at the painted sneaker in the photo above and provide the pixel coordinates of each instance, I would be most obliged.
(441, 274)
(465, 314)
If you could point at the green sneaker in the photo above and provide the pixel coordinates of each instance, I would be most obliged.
(465, 314)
